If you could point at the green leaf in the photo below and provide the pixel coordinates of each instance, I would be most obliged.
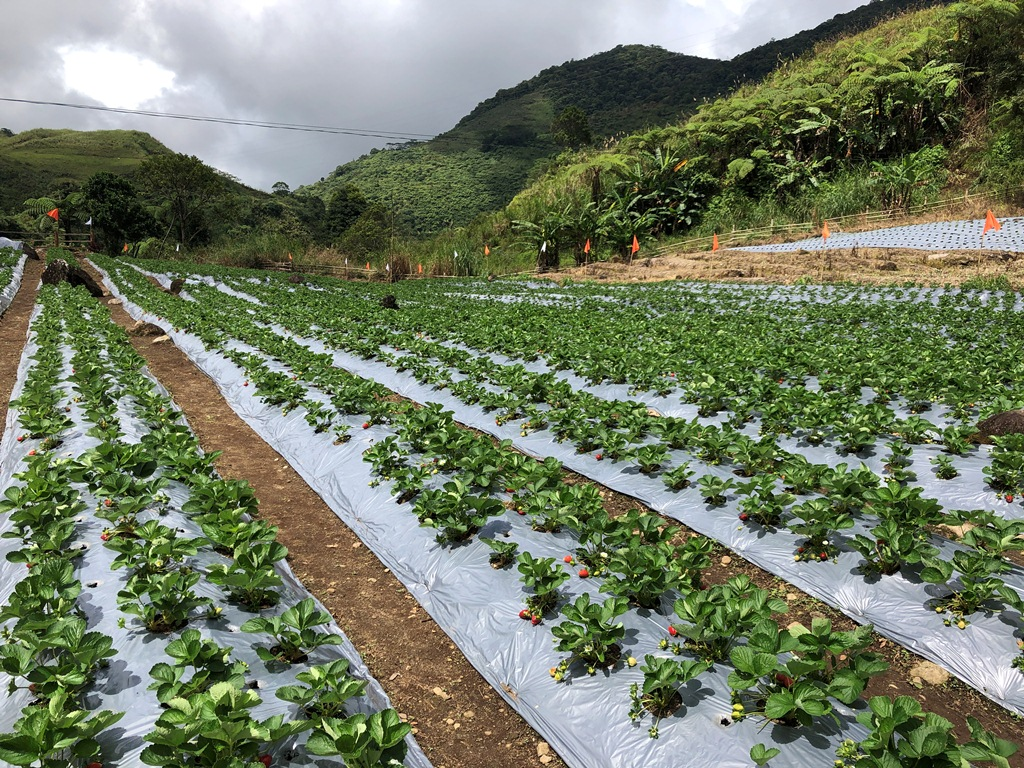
(761, 754)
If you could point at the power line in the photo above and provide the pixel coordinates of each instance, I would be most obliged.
(368, 133)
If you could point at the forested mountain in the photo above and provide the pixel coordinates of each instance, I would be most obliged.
(487, 158)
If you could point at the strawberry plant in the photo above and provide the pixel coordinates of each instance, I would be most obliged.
(678, 477)
(761, 503)
(543, 578)
(979, 585)
(714, 489)
(326, 689)
(215, 729)
(649, 458)
(56, 735)
(991, 533)
(293, 631)
(714, 618)
(456, 513)
(503, 553)
(641, 573)
(817, 522)
(589, 635)
(164, 601)
(251, 579)
(903, 735)
(209, 663)
(893, 546)
(659, 695)
(374, 741)
(944, 469)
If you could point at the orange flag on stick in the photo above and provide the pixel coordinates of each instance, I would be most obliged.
(487, 250)
(636, 246)
(289, 256)
(714, 242)
(53, 214)
(586, 247)
(419, 268)
(367, 266)
(125, 249)
(990, 223)
(825, 234)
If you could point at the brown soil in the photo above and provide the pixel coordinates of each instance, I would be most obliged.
(14, 331)
(457, 718)
(869, 266)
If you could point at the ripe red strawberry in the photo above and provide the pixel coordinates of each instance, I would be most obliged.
(104, 537)
(823, 556)
(584, 573)
(800, 550)
(672, 630)
(599, 456)
(32, 452)
(744, 516)
(107, 503)
(567, 558)
(21, 438)
(246, 384)
(784, 680)
(1009, 497)
(510, 490)
(535, 619)
(265, 759)
(524, 614)
(95, 764)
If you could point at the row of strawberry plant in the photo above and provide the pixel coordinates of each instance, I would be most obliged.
(981, 571)
(455, 492)
(160, 586)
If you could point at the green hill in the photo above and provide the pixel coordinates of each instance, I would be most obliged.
(488, 156)
(37, 162)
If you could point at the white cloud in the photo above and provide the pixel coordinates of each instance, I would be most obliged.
(114, 78)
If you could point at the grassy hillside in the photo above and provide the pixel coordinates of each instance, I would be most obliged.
(36, 162)
(923, 106)
(488, 156)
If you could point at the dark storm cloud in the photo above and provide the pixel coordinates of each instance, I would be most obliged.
(406, 66)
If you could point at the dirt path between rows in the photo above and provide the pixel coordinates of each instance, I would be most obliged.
(14, 331)
(458, 719)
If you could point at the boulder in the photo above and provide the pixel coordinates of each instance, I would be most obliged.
(142, 328)
(59, 271)
(886, 266)
(29, 251)
(176, 285)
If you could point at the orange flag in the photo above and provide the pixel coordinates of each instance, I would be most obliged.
(825, 234)
(367, 266)
(289, 256)
(714, 242)
(125, 249)
(419, 268)
(636, 246)
(991, 223)
(487, 250)
(586, 247)
(53, 214)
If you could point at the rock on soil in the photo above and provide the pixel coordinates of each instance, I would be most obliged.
(927, 672)
(59, 271)
(142, 328)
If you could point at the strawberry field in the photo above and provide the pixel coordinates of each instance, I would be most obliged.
(820, 432)
(148, 616)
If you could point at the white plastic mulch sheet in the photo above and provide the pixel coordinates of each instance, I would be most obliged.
(938, 235)
(122, 685)
(586, 721)
(8, 291)
(898, 605)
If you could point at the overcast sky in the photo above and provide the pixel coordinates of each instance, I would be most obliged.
(400, 66)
